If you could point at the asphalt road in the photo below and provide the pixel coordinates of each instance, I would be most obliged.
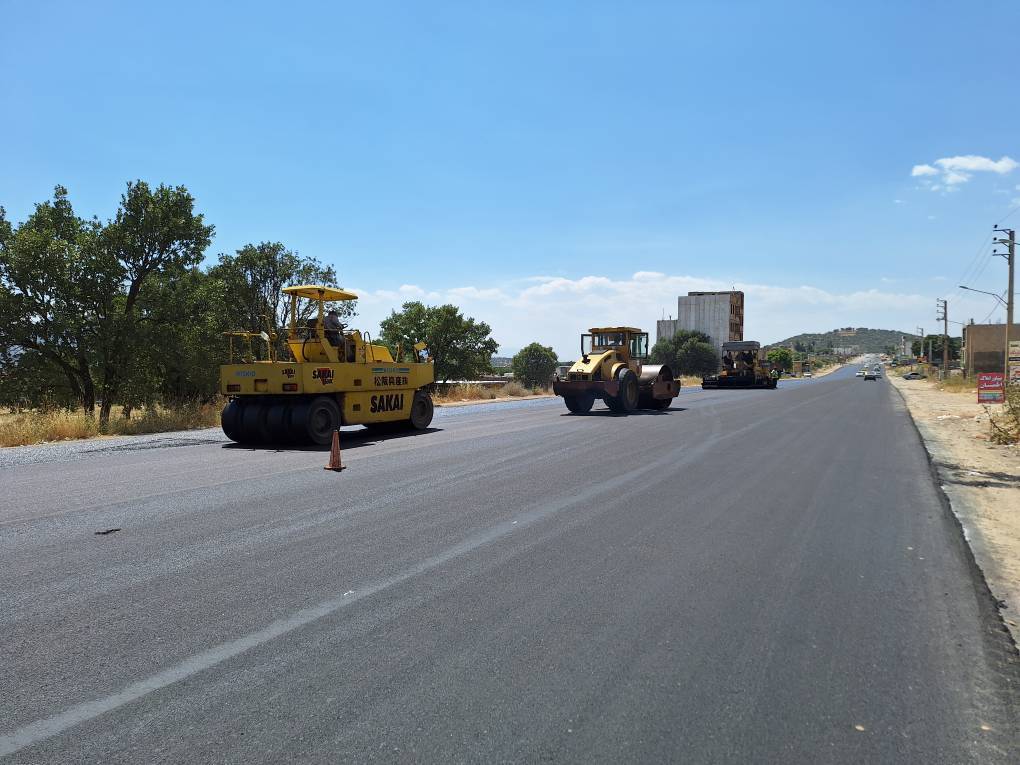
(751, 576)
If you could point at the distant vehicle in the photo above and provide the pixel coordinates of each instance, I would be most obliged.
(807, 374)
(871, 375)
(914, 376)
(859, 373)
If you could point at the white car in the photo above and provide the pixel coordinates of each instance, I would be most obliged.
(859, 373)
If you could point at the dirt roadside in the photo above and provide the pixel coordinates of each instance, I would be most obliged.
(981, 479)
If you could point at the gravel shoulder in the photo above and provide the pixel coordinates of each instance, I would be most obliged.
(981, 479)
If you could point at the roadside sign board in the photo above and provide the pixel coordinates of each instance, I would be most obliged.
(990, 388)
(1014, 361)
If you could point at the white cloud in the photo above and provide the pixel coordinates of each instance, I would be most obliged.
(974, 163)
(897, 201)
(555, 310)
(953, 171)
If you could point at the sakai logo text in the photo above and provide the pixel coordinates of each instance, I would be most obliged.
(323, 375)
(391, 402)
(288, 373)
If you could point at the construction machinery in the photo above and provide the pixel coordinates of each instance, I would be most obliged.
(612, 367)
(334, 376)
(743, 366)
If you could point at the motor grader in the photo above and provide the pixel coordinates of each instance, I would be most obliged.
(743, 366)
(612, 367)
(334, 376)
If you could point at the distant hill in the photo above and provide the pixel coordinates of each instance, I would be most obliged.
(859, 339)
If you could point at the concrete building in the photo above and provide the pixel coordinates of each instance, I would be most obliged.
(720, 315)
(984, 346)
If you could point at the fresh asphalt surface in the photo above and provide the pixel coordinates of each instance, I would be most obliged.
(751, 576)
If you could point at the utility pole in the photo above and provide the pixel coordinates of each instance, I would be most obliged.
(943, 306)
(1010, 256)
(920, 342)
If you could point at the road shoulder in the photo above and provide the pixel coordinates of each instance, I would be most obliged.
(980, 479)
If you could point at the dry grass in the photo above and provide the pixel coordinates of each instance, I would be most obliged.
(38, 427)
(458, 393)
(958, 384)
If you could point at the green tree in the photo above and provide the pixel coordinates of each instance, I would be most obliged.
(698, 359)
(955, 346)
(688, 352)
(55, 286)
(252, 280)
(534, 365)
(154, 233)
(460, 346)
(780, 358)
(180, 346)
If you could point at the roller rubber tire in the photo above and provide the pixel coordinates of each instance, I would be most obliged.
(422, 410)
(322, 419)
(253, 424)
(298, 433)
(627, 399)
(230, 420)
(580, 404)
(278, 423)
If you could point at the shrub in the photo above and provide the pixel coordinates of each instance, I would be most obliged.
(1005, 426)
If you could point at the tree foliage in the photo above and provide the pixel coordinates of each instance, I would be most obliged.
(688, 352)
(460, 346)
(95, 314)
(935, 341)
(534, 365)
(780, 358)
(251, 281)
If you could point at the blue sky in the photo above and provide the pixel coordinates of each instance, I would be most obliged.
(549, 165)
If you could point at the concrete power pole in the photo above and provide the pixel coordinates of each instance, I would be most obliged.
(943, 306)
(1010, 256)
(920, 343)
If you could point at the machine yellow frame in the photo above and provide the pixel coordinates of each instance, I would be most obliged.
(332, 381)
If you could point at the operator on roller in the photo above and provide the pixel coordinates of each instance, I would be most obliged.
(333, 327)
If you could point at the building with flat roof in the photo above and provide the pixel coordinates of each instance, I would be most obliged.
(720, 315)
(984, 347)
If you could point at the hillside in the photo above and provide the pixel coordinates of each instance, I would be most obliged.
(854, 339)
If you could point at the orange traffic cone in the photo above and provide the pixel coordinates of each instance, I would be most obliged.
(334, 454)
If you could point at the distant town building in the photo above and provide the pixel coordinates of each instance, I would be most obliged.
(720, 315)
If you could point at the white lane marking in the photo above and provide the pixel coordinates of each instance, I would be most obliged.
(41, 730)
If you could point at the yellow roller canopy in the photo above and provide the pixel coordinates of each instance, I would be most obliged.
(318, 292)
